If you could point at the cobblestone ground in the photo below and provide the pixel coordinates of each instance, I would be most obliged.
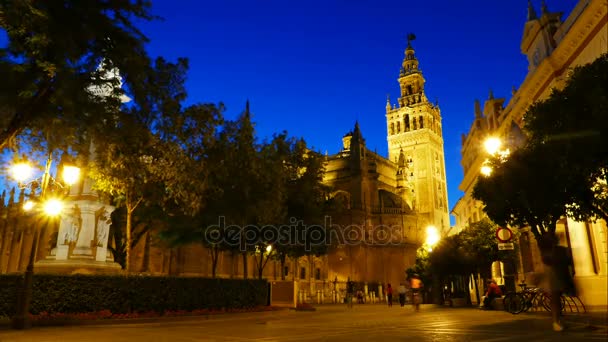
(328, 323)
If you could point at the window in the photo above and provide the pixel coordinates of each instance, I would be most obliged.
(302, 272)
(286, 271)
(318, 274)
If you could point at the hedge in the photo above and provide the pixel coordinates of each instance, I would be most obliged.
(128, 294)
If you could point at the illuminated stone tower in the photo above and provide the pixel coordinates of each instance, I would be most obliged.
(414, 129)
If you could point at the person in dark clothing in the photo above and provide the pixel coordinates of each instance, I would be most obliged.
(389, 295)
(350, 292)
(402, 291)
(557, 261)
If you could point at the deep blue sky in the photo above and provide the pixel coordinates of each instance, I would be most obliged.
(315, 67)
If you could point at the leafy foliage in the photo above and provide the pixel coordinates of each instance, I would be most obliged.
(51, 63)
(572, 126)
(561, 169)
(120, 294)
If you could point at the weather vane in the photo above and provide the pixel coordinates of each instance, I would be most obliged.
(410, 37)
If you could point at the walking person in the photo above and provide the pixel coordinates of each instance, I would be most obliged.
(389, 295)
(557, 261)
(350, 291)
(402, 291)
(416, 286)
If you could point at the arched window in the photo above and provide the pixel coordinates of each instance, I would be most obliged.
(398, 126)
(421, 122)
(414, 121)
(406, 122)
(392, 128)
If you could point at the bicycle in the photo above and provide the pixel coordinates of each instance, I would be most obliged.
(528, 298)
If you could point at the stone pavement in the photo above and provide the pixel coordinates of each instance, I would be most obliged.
(330, 323)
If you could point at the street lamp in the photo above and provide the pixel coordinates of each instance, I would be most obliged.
(432, 237)
(49, 206)
(493, 147)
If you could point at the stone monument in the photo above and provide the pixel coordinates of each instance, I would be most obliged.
(82, 239)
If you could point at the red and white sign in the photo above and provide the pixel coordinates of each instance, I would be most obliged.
(504, 234)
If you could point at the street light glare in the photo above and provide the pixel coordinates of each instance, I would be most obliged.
(492, 145)
(268, 248)
(53, 207)
(27, 206)
(21, 171)
(432, 236)
(71, 174)
(486, 170)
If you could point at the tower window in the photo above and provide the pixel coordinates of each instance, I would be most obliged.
(398, 126)
(421, 122)
(392, 128)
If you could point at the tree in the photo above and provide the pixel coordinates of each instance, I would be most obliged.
(561, 169)
(304, 201)
(522, 191)
(572, 123)
(154, 151)
(52, 61)
(481, 251)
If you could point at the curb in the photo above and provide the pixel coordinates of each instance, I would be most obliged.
(120, 321)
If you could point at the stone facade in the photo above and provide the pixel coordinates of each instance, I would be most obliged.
(553, 48)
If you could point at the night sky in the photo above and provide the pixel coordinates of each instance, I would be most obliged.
(315, 67)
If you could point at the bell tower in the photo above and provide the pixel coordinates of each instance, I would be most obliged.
(415, 136)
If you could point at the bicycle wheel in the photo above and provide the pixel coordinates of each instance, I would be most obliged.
(546, 302)
(513, 303)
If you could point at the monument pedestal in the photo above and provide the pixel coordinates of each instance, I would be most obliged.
(75, 266)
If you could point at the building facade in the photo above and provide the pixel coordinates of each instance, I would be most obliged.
(553, 47)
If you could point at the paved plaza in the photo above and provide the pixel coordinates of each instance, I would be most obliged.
(329, 323)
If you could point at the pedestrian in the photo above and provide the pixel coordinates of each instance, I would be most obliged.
(416, 285)
(557, 261)
(402, 291)
(389, 295)
(350, 291)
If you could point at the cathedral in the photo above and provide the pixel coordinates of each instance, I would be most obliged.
(390, 202)
(380, 211)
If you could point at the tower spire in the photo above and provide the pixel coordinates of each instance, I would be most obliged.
(491, 95)
(543, 7)
(531, 12)
(477, 109)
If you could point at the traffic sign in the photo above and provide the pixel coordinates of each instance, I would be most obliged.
(508, 246)
(504, 234)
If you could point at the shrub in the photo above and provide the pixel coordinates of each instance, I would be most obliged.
(131, 294)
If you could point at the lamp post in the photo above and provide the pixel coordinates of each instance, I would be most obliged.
(51, 207)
